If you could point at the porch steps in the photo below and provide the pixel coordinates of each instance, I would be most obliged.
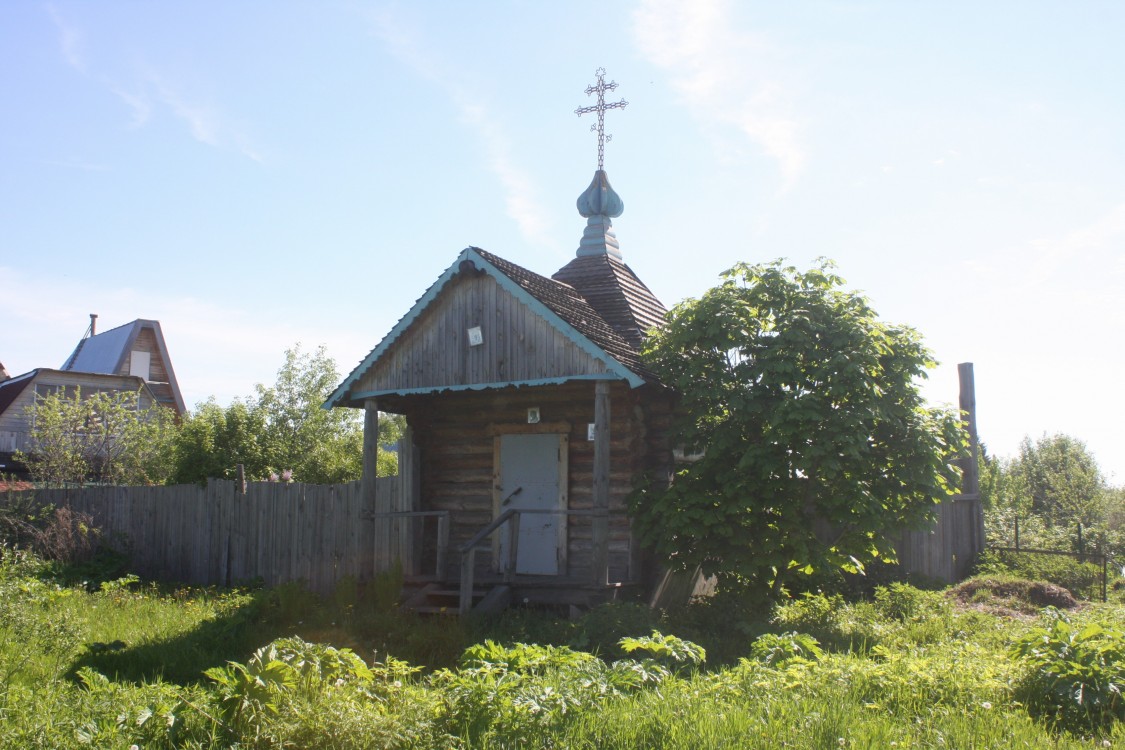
(434, 599)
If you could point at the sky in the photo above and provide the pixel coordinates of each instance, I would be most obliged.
(258, 175)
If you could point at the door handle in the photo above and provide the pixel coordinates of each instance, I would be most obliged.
(508, 499)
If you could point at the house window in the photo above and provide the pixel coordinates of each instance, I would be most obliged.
(65, 391)
(139, 364)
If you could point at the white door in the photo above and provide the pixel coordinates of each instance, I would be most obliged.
(529, 479)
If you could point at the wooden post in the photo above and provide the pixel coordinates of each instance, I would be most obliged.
(241, 479)
(468, 565)
(442, 545)
(600, 521)
(367, 486)
(970, 484)
(513, 547)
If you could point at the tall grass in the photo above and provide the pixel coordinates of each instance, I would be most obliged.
(127, 663)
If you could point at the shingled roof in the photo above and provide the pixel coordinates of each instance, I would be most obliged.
(614, 291)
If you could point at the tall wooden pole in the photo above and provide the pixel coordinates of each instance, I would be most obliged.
(970, 478)
(600, 551)
(970, 484)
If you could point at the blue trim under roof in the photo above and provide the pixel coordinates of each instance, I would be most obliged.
(613, 366)
(482, 386)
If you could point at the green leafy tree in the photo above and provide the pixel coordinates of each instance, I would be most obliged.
(105, 437)
(213, 440)
(283, 431)
(1060, 479)
(1056, 495)
(812, 439)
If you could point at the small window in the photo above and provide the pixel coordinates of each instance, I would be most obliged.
(139, 364)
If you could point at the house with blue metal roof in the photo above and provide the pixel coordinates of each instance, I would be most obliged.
(132, 357)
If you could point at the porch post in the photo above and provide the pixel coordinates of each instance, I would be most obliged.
(377, 547)
(600, 551)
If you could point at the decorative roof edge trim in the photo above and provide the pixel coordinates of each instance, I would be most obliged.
(172, 381)
(469, 254)
(480, 386)
(126, 351)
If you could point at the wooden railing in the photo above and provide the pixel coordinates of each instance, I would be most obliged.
(511, 518)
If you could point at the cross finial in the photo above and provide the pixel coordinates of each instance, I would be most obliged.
(600, 108)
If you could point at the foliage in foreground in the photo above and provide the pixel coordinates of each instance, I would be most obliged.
(907, 669)
(811, 435)
(106, 437)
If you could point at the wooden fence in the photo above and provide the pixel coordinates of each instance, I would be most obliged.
(275, 532)
(946, 552)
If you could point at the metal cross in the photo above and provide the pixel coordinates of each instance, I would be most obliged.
(600, 108)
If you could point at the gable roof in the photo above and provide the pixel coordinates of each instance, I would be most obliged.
(105, 353)
(11, 388)
(560, 305)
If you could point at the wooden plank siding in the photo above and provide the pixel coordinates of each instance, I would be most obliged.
(15, 421)
(946, 551)
(517, 345)
(455, 432)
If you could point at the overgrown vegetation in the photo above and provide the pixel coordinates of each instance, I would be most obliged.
(111, 438)
(1053, 495)
(280, 433)
(121, 662)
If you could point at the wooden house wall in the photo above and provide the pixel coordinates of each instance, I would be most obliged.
(146, 342)
(518, 345)
(15, 422)
(454, 433)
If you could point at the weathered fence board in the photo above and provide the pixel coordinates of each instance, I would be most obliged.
(947, 551)
(275, 532)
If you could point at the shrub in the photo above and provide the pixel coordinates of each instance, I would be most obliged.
(602, 628)
(1075, 673)
(68, 536)
(903, 602)
(830, 621)
(784, 648)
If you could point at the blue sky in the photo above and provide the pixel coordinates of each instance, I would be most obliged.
(258, 174)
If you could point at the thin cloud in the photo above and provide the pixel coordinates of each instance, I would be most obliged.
(70, 40)
(201, 119)
(139, 106)
(206, 124)
(1094, 246)
(717, 71)
(520, 200)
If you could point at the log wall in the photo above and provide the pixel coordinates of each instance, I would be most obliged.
(455, 432)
